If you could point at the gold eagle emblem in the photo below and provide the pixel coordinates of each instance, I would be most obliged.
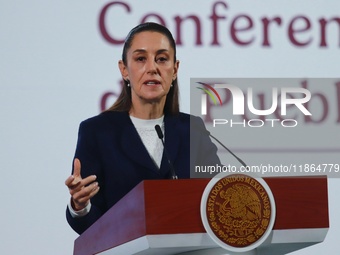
(238, 210)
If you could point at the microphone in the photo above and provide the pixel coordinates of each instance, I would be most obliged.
(225, 147)
(161, 136)
(204, 130)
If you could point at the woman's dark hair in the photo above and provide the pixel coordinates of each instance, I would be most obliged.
(123, 102)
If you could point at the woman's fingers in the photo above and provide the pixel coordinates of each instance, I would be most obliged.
(79, 185)
(69, 180)
(74, 179)
(82, 197)
(76, 168)
(84, 191)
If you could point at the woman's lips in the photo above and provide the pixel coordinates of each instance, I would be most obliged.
(151, 83)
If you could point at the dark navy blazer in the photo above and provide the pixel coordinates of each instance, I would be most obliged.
(109, 147)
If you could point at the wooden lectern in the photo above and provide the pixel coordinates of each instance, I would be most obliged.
(163, 217)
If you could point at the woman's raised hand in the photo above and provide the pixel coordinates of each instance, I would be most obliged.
(81, 190)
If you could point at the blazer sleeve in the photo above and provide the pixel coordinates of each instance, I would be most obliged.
(87, 153)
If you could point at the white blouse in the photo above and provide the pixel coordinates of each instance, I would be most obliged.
(150, 139)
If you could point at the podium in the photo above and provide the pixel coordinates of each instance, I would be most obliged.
(163, 217)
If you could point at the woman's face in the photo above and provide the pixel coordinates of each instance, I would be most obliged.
(150, 68)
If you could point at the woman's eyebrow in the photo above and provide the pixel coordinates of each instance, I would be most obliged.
(144, 51)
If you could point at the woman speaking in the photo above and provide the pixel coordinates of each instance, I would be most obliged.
(120, 147)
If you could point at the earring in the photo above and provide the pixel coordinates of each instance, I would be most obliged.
(171, 85)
